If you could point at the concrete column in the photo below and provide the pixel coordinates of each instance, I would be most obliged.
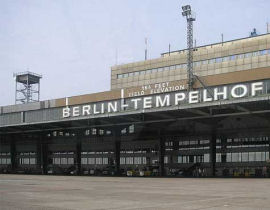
(13, 152)
(42, 153)
(78, 154)
(161, 154)
(117, 148)
(223, 149)
(39, 155)
(213, 152)
(117, 157)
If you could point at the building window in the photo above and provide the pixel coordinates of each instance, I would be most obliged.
(101, 132)
(91, 161)
(122, 160)
(218, 60)
(232, 57)
(98, 161)
(245, 157)
(131, 129)
(105, 161)
(94, 131)
(248, 55)
(84, 161)
(137, 160)
(129, 160)
(166, 159)
(206, 158)
(172, 67)
(218, 157)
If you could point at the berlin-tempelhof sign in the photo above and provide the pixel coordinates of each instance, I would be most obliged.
(176, 98)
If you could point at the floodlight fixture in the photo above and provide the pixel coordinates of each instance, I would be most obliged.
(188, 13)
(186, 8)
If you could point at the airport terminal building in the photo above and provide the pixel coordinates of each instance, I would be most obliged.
(150, 123)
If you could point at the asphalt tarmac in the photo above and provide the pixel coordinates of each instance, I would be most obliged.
(28, 192)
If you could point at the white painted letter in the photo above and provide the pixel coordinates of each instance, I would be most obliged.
(95, 109)
(164, 102)
(193, 97)
(76, 111)
(86, 110)
(147, 102)
(257, 86)
(112, 107)
(205, 98)
(221, 93)
(135, 101)
(236, 95)
(179, 97)
(66, 112)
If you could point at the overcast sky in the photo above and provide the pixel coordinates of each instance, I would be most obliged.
(73, 43)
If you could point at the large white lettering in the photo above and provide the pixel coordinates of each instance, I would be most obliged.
(147, 102)
(237, 89)
(135, 101)
(164, 102)
(192, 97)
(256, 87)
(112, 107)
(66, 112)
(223, 93)
(179, 97)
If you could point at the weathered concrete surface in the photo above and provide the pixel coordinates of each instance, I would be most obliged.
(64, 192)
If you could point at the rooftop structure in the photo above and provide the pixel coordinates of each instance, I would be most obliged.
(27, 87)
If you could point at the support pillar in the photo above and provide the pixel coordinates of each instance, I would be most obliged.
(13, 153)
(78, 154)
(117, 148)
(213, 140)
(42, 154)
(39, 155)
(161, 155)
(223, 149)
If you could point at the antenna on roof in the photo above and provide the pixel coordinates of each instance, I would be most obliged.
(267, 27)
(222, 40)
(145, 51)
(169, 49)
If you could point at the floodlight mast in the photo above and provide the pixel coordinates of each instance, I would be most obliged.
(190, 18)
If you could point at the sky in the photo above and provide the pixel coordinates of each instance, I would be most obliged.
(74, 43)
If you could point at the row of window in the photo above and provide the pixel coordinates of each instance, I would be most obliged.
(4, 153)
(5, 161)
(97, 152)
(63, 153)
(27, 161)
(244, 157)
(132, 160)
(251, 139)
(95, 161)
(22, 161)
(218, 141)
(146, 150)
(63, 161)
(193, 158)
(196, 63)
(246, 145)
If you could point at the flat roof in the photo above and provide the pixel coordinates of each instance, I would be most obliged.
(218, 43)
